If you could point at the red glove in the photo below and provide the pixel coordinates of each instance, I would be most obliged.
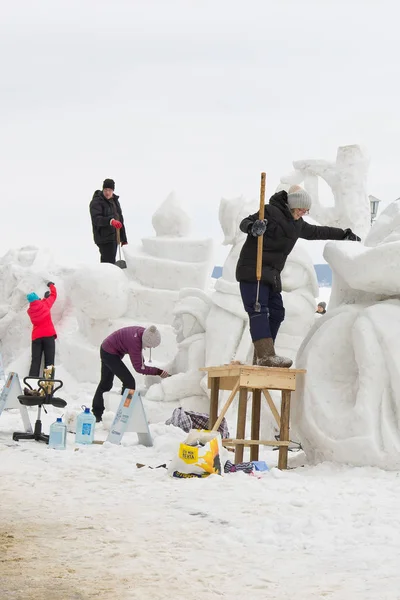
(116, 224)
(124, 243)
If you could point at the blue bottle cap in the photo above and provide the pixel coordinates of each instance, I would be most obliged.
(59, 420)
(87, 410)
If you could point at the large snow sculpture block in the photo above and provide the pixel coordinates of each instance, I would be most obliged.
(167, 274)
(373, 270)
(348, 409)
(100, 292)
(163, 265)
(151, 305)
(179, 249)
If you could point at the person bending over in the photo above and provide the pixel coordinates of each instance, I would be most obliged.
(128, 340)
(282, 226)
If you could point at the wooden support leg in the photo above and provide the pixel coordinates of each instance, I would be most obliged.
(284, 432)
(213, 401)
(241, 424)
(272, 407)
(255, 423)
(227, 405)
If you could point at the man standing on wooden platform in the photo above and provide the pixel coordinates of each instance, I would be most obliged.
(282, 226)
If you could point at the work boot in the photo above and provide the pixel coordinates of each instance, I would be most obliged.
(266, 356)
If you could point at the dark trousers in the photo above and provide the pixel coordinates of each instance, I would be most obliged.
(264, 324)
(40, 346)
(111, 365)
(108, 252)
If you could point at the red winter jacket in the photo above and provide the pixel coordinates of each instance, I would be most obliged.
(39, 314)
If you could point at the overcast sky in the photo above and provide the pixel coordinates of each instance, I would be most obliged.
(196, 96)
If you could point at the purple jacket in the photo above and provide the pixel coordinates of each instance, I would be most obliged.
(128, 340)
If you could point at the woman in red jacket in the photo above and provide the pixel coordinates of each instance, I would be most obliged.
(43, 333)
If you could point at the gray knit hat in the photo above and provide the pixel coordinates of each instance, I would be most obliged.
(298, 198)
(151, 337)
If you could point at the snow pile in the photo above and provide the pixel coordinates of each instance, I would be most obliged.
(99, 527)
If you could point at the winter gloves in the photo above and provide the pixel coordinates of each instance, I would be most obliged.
(352, 237)
(116, 224)
(47, 295)
(49, 283)
(164, 374)
(258, 228)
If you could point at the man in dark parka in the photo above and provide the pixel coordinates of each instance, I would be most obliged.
(107, 218)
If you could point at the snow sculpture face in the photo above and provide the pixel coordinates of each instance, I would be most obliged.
(100, 292)
(185, 325)
(190, 314)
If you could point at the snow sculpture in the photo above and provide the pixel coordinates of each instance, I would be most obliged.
(22, 271)
(165, 264)
(99, 293)
(348, 410)
(228, 336)
(183, 387)
(170, 220)
(347, 178)
(299, 290)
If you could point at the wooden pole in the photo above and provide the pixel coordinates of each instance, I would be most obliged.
(260, 239)
(261, 217)
(214, 398)
(255, 423)
(284, 431)
(241, 424)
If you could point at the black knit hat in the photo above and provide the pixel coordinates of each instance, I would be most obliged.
(109, 183)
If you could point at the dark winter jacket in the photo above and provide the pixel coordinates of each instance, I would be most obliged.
(282, 233)
(128, 340)
(101, 212)
(40, 316)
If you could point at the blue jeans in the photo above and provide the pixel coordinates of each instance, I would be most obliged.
(264, 324)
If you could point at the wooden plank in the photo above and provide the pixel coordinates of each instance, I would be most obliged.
(225, 383)
(255, 423)
(273, 408)
(227, 405)
(223, 371)
(284, 431)
(249, 368)
(233, 442)
(228, 383)
(214, 396)
(241, 424)
(272, 381)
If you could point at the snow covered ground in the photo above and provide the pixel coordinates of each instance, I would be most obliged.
(87, 523)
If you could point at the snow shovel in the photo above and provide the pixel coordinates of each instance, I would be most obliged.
(120, 263)
(257, 305)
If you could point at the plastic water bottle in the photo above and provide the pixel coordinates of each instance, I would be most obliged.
(85, 427)
(58, 435)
